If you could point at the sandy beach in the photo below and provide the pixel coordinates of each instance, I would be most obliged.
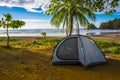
(82, 35)
(35, 64)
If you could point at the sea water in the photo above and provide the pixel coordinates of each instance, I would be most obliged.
(53, 32)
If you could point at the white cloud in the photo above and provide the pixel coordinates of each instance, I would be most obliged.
(32, 5)
(29, 5)
(37, 24)
(35, 20)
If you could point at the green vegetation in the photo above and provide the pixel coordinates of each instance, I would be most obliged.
(11, 39)
(69, 12)
(30, 59)
(39, 44)
(106, 46)
(8, 22)
(111, 24)
(115, 50)
(90, 26)
(109, 46)
(43, 34)
(107, 6)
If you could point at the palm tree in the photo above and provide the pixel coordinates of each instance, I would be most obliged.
(68, 12)
(8, 22)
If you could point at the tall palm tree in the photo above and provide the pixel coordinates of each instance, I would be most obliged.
(8, 22)
(68, 12)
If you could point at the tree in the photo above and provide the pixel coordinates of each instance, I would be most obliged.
(91, 26)
(106, 6)
(104, 25)
(43, 34)
(8, 22)
(68, 12)
(111, 24)
(116, 24)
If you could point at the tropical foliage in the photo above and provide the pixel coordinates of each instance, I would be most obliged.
(33, 63)
(106, 6)
(11, 39)
(8, 22)
(91, 26)
(42, 44)
(43, 34)
(69, 12)
(111, 24)
(109, 46)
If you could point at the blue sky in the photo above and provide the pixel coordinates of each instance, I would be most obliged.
(32, 12)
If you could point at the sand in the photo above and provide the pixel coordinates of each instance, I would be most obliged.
(35, 64)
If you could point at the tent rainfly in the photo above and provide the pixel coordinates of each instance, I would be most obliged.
(78, 49)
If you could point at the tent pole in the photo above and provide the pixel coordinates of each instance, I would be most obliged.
(82, 49)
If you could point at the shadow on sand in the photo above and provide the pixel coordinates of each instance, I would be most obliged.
(109, 71)
(25, 64)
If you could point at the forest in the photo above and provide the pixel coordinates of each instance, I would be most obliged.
(111, 24)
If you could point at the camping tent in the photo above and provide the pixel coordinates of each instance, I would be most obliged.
(77, 49)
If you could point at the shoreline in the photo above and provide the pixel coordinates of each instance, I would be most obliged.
(106, 37)
(31, 63)
(55, 32)
(90, 35)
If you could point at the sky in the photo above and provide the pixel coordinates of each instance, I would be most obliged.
(33, 13)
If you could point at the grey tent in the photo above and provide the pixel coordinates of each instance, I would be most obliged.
(77, 49)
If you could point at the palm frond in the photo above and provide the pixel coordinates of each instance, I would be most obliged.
(82, 19)
(58, 18)
(90, 14)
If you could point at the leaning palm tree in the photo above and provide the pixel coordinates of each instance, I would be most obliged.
(68, 12)
(8, 22)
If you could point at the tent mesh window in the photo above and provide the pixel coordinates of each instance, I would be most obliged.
(68, 49)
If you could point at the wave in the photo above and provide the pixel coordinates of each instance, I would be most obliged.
(54, 32)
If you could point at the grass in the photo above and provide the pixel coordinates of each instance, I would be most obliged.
(30, 60)
(109, 46)
(115, 50)
(11, 39)
(39, 44)
(106, 46)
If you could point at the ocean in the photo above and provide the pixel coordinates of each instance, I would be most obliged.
(52, 32)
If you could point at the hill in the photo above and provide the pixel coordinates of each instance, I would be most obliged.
(111, 24)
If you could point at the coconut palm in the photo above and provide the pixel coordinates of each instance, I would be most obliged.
(8, 22)
(68, 12)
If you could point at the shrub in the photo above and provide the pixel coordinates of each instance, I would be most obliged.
(115, 50)
(109, 46)
(38, 43)
(11, 39)
(43, 34)
(106, 44)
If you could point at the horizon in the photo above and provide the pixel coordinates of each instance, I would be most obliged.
(33, 13)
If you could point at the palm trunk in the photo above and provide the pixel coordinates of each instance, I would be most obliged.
(70, 26)
(68, 31)
(77, 26)
(7, 37)
(67, 27)
(66, 22)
